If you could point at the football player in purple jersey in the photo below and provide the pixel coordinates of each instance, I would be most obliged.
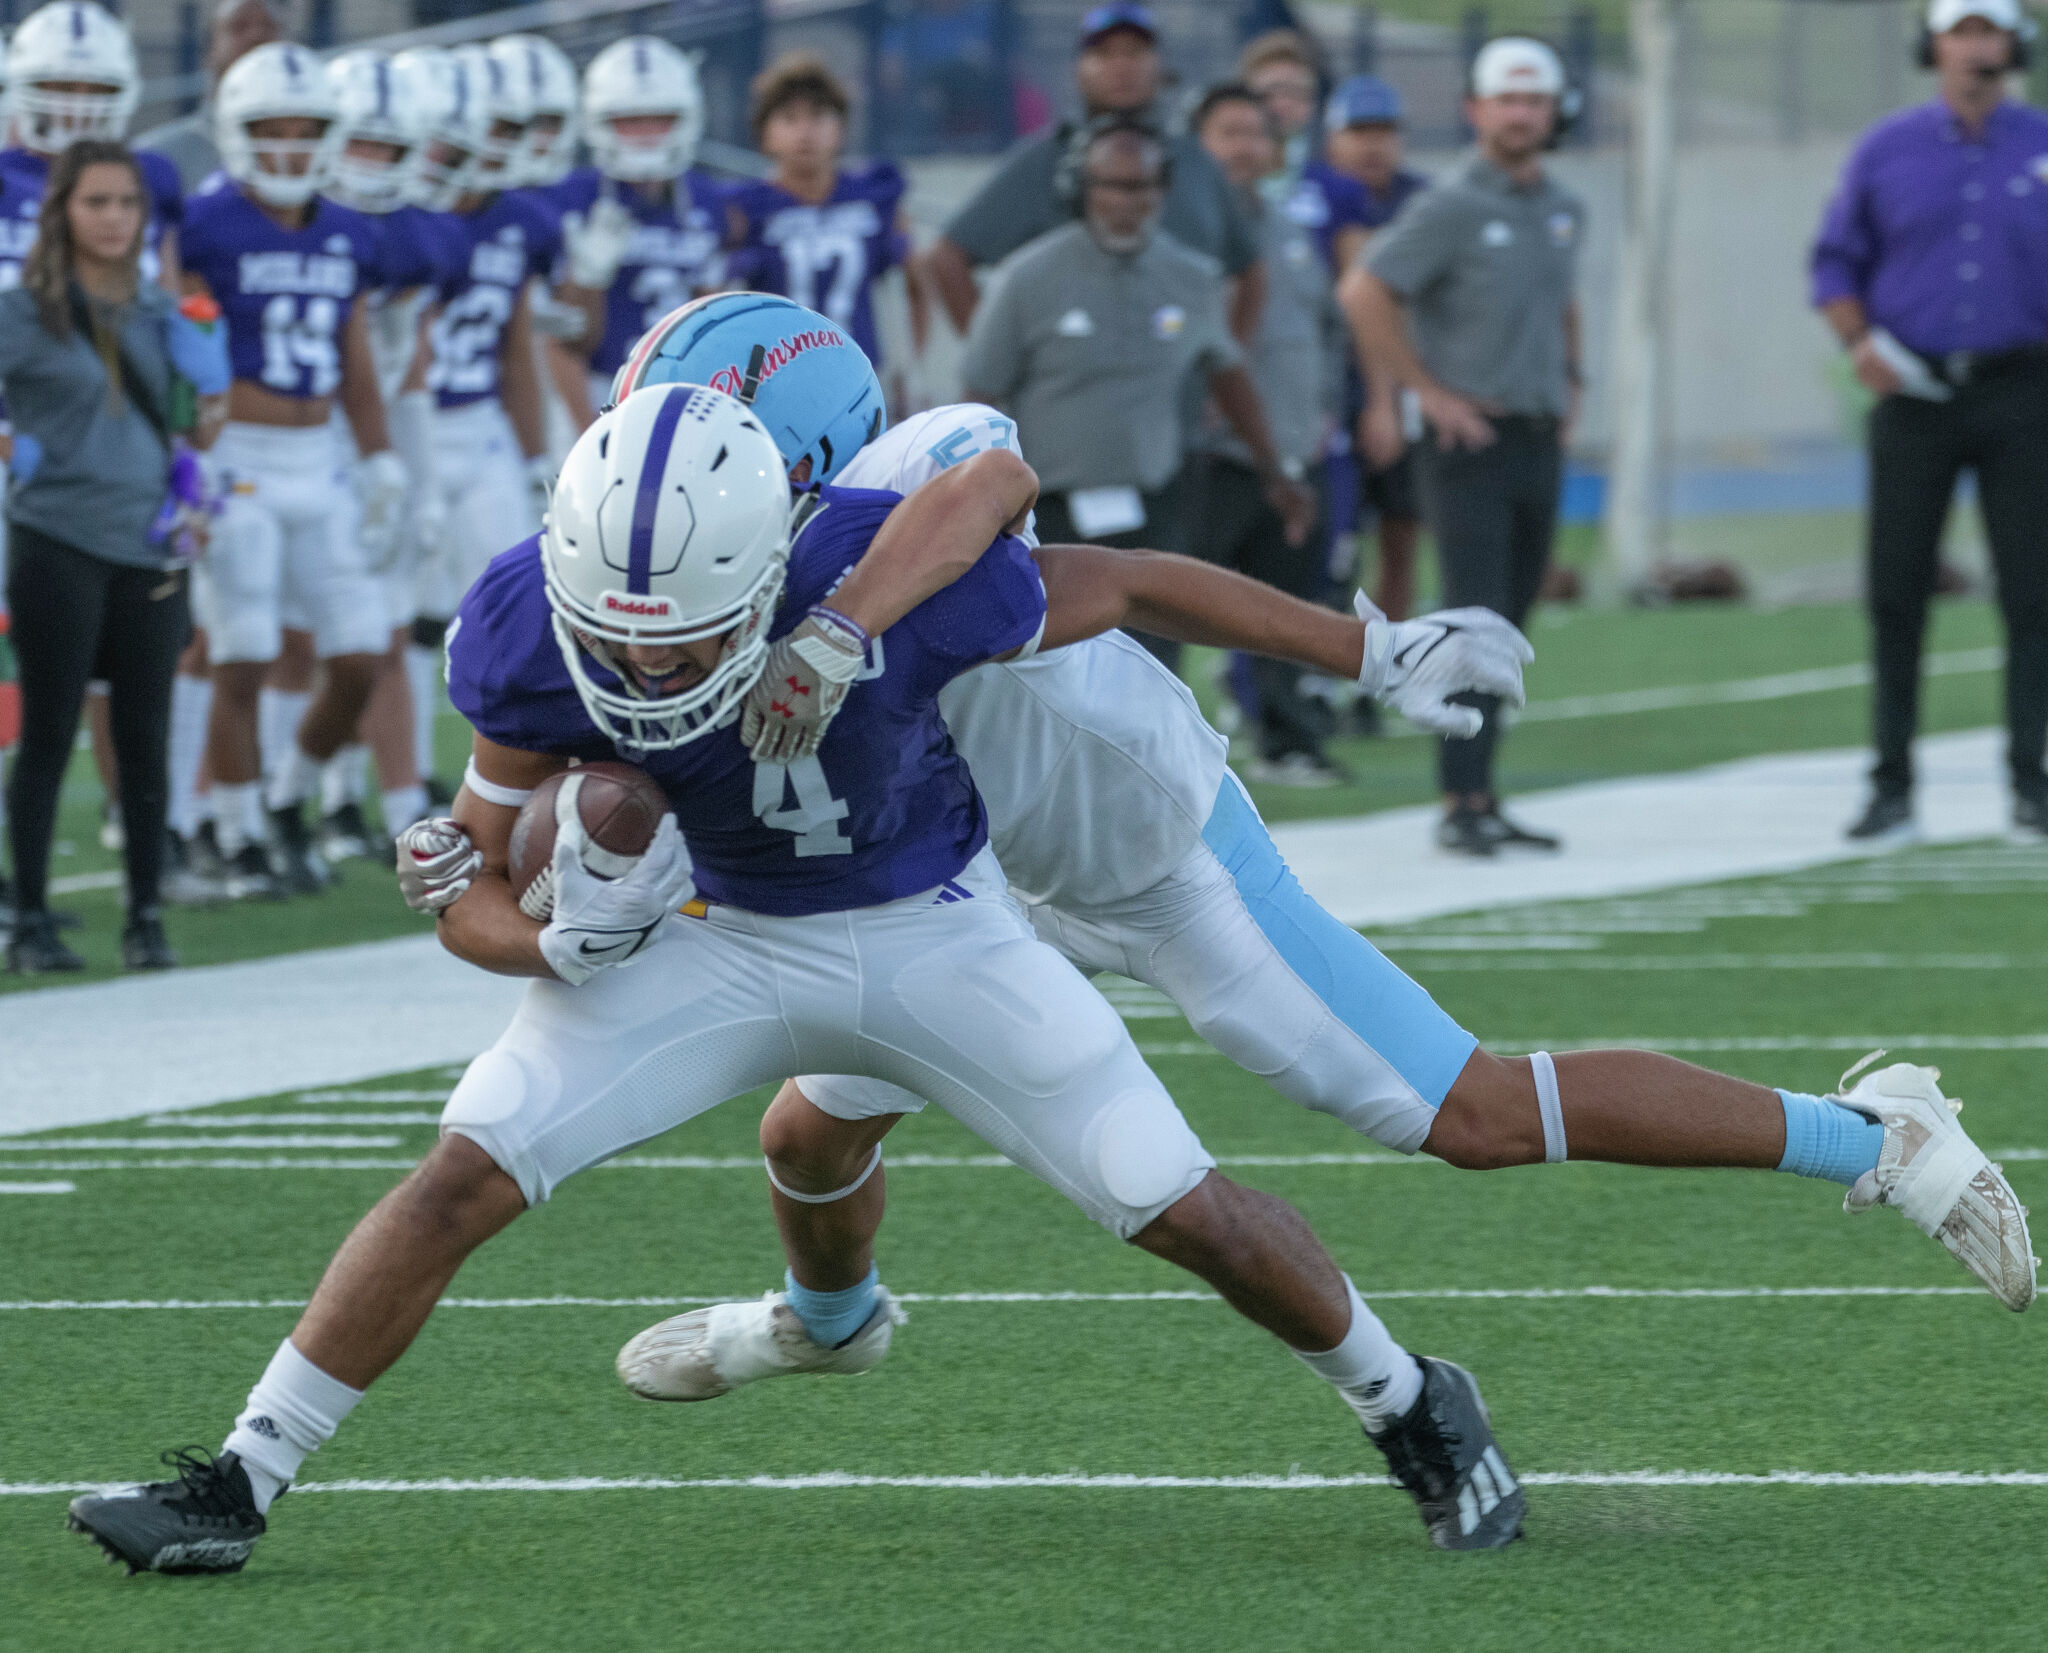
(818, 232)
(846, 908)
(288, 269)
(639, 225)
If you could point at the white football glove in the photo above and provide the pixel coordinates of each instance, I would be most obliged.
(555, 320)
(802, 687)
(600, 922)
(594, 243)
(381, 485)
(1417, 665)
(436, 863)
(540, 483)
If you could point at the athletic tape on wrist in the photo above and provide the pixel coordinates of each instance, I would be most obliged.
(1550, 1105)
(512, 797)
(852, 1187)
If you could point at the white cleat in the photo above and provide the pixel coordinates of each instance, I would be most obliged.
(1940, 1180)
(711, 1352)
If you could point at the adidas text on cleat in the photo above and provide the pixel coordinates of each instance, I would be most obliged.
(1932, 1172)
(710, 1352)
(1444, 1454)
(206, 1521)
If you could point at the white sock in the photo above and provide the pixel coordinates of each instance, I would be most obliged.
(1378, 1379)
(345, 778)
(236, 814)
(404, 805)
(191, 707)
(278, 715)
(294, 1409)
(295, 778)
(423, 673)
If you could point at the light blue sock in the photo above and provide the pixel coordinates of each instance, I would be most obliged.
(1825, 1139)
(832, 1317)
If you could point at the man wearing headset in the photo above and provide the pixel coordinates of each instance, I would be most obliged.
(1932, 268)
(1484, 266)
(1089, 342)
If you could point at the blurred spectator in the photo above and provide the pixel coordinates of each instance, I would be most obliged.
(1486, 263)
(1117, 73)
(239, 27)
(86, 367)
(1362, 147)
(941, 82)
(1932, 268)
(1088, 339)
(1292, 359)
(817, 232)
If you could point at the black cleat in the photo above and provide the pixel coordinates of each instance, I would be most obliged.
(206, 1521)
(34, 948)
(1507, 834)
(342, 835)
(144, 946)
(1443, 1452)
(186, 882)
(247, 876)
(1888, 820)
(1463, 832)
(300, 866)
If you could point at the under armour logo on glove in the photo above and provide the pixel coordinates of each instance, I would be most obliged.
(802, 687)
(1417, 665)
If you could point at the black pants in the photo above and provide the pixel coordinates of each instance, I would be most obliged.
(1163, 531)
(1493, 511)
(1998, 427)
(1230, 523)
(77, 617)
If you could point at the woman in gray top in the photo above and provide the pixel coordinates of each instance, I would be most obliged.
(86, 371)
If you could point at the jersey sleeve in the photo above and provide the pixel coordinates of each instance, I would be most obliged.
(995, 608)
(505, 672)
(543, 240)
(166, 189)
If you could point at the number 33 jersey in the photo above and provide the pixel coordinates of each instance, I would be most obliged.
(285, 294)
(885, 810)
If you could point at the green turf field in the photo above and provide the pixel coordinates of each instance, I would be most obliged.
(1580, 652)
(1943, 953)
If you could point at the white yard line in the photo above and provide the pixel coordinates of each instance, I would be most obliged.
(243, 1121)
(1076, 1481)
(17, 1145)
(38, 1187)
(1744, 690)
(1503, 958)
(1498, 1294)
(306, 1021)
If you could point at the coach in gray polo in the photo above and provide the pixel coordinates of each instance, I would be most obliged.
(1088, 340)
(1483, 266)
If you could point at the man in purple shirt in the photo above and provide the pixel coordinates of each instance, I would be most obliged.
(1932, 268)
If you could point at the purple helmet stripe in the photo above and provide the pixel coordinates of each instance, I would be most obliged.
(647, 497)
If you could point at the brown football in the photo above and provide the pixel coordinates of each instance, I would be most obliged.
(620, 807)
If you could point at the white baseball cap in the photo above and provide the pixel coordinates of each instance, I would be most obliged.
(1515, 63)
(1943, 15)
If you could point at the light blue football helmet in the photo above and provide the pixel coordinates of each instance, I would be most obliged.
(816, 391)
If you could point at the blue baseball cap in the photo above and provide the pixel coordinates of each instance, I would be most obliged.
(1098, 21)
(1362, 100)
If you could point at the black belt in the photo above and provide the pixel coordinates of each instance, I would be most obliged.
(1962, 367)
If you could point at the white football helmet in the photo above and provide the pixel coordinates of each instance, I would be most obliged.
(381, 104)
(506, 110)
(641, 75)
(274, 82)
(548, 77)
(72, 43)
(669, 523)
(454, 123)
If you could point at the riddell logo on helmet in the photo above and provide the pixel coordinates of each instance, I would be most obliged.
(638, 608)
(729, 379)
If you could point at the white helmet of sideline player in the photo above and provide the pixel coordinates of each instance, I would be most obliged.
(382, 138)
(642, 80)
(71, 45)
(669, 524)
(549, 80)
(453, 120)
(506, 111)
(274, 83)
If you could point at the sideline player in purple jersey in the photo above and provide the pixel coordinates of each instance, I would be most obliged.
(849, 908)
(640, 225)
(288, 269)
(818, 232)
(71, 74)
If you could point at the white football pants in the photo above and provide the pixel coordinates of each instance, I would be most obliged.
(486, 506)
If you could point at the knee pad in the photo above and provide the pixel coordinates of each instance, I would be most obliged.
(487, 1106)
(1144, 1152)
(244, 590)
